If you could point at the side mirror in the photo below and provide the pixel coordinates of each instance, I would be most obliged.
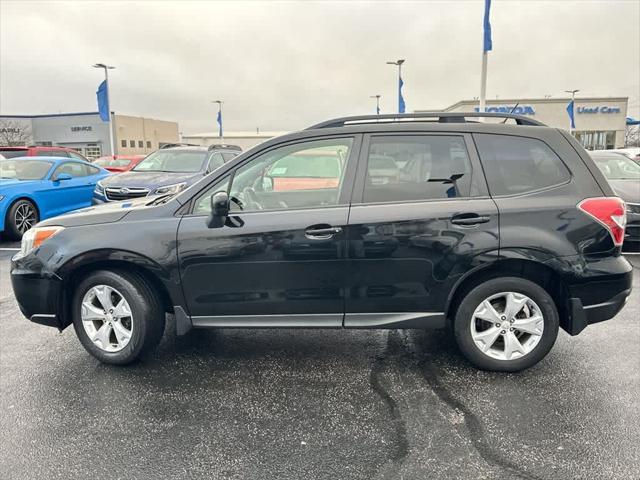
(62, 176)
(219, 209)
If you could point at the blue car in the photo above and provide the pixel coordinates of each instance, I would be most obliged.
(34, 189)
(164, 172)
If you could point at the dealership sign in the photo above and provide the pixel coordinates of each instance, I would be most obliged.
(82, 129)
(600, 109)
(513, 109)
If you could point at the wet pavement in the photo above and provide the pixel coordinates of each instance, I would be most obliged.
(316, 404)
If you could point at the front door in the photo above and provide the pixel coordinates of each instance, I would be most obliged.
(421, 218)
(280, 258)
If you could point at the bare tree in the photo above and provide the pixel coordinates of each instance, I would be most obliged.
(14, 134)
(632, 136)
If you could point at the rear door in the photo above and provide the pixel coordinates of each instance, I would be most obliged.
(280, 258)
(421, 218)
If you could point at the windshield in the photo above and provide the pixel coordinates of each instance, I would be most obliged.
(112, 162)
(24, 169)
(618, 167)
(173, 161)
(10, 153)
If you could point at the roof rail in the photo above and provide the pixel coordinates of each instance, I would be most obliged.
(440, 117)
(224, 146)
(174, 145)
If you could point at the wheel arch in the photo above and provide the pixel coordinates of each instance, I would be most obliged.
(78, 268)
(532, 270)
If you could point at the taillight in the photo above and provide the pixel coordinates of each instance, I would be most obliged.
(609, 212)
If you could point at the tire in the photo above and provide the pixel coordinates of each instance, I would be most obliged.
(474, 334)
(145, 323)
(15, 226)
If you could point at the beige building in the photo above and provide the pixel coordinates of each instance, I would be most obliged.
(244, 140)
(600, 121)
(138, 135)
(89, 135)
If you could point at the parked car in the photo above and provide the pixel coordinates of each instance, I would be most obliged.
(623, 175)
(533, 243)
(33, 189)
(41, 151)
(119, 163)
(165, 171)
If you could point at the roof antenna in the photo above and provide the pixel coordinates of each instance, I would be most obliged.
(512, 110)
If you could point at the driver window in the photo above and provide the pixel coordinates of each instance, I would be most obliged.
(304, 175)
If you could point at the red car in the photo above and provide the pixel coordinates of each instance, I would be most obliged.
(119, 163)
(41, 151)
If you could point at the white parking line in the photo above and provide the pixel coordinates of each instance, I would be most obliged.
(630, 253)
(9, 249)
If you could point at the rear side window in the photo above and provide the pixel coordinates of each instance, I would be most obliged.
(515, 165)
(417, 167)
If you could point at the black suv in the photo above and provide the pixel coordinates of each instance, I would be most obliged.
(504, 232)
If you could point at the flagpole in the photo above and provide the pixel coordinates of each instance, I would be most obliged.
(487, 46)
(220, 129)
(483, 81)
(106, 69)
(573, 102)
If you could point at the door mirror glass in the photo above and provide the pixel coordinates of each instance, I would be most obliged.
(63, 176)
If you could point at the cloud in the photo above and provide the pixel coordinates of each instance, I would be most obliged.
(285, 65)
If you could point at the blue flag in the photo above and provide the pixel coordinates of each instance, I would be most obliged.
(572, 118)
(220, 123)
(488, 44)
(103, 101)
(401, 105)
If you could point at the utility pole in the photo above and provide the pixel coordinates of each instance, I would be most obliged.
(401, 105)
(377, 97)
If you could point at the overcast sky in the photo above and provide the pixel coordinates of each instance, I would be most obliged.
(286, 65)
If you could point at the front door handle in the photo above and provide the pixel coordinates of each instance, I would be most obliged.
(321, 232)
(469, 219)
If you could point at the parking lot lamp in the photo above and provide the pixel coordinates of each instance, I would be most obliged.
(401, 104)
(377, 97)
(106, 69)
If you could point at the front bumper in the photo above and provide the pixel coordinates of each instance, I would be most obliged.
(632, 230)
(38, 293)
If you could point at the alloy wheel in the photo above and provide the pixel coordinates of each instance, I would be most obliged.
(107, 318)
(507, 326)
(25, 217)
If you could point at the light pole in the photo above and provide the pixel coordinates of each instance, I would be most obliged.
(400, 83)
(220, 132)
(377, 97)
(573, 106)
(106, 69)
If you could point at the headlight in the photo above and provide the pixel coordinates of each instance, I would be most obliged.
(35, 237)
(169, 189)
(99, 188)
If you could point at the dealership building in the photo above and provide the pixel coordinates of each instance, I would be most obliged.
(89, 135)
(600, 121)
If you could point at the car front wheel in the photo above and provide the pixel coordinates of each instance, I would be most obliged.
(22, 215)
(117, 316)
(506, 324)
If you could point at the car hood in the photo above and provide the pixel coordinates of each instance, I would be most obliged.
(149, 180)
(103, 213)
(628, 190)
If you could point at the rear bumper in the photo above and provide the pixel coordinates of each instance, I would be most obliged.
(581, 317)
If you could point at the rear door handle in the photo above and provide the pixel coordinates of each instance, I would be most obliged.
(322, 233)
(469, 219)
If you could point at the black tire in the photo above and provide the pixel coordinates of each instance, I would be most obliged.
(473, 298)
(12, 229)
(148, 316)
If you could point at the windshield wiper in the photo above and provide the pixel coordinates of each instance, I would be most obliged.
(160, 200)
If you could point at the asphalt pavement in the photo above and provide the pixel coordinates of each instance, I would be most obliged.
(316, 404)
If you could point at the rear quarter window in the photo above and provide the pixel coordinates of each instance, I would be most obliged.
(516, 165)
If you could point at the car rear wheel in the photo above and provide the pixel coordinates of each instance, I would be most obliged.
(117, 316)
(22, 215)
(506, 324)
